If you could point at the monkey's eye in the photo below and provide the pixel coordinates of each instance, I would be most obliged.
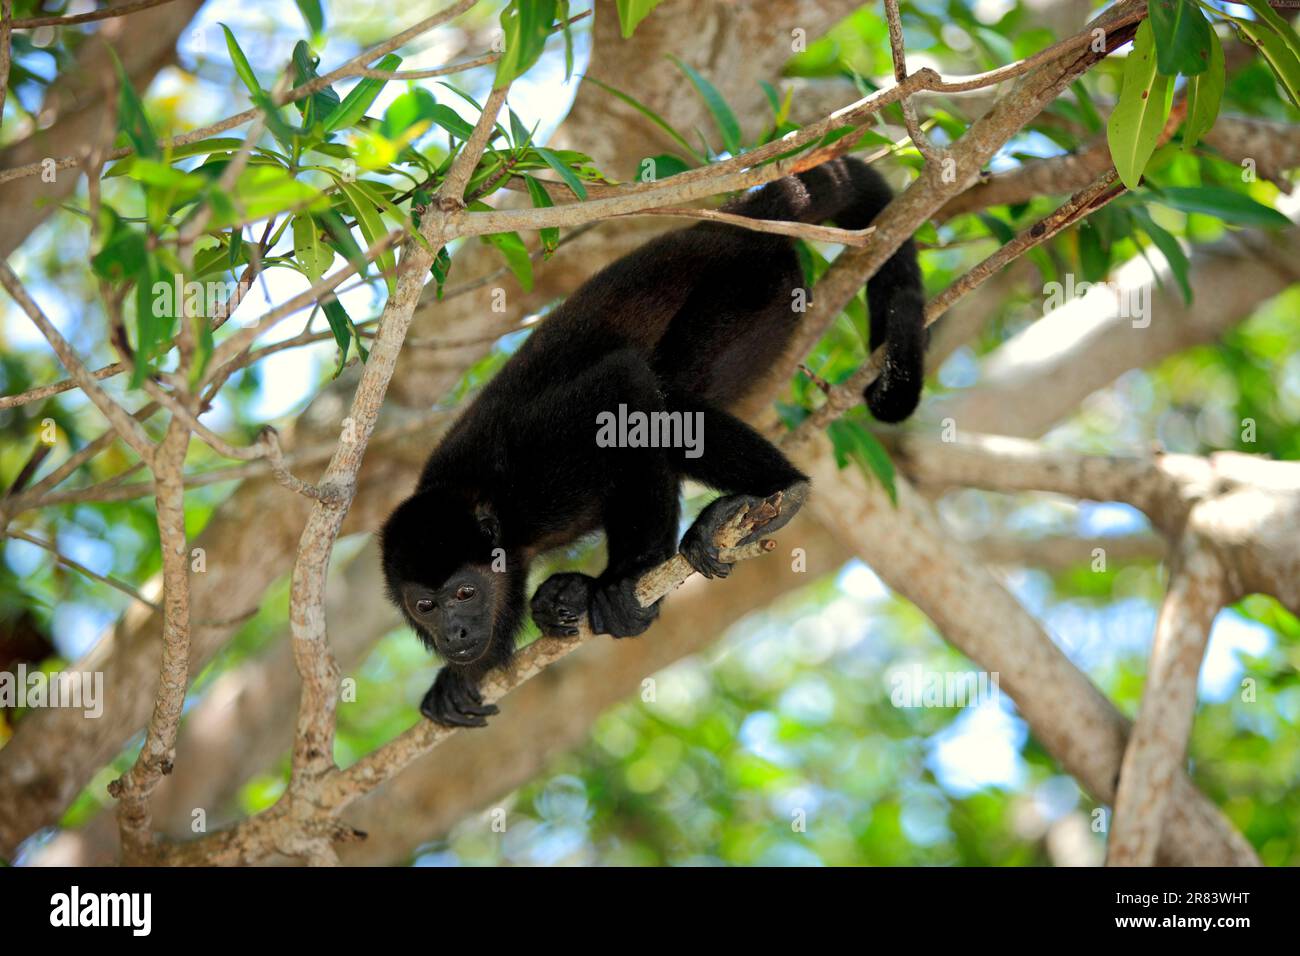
(465, 592)
(424, 606)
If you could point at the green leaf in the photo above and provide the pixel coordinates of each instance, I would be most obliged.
(160, 175)
(284, 132)
(451, 121)
(526, 24)
(563, 171)
(1094, 253)
(550, 236)
(131, 118)
(519, 135)
(852, 442)
(999, 229)
(354, 105)
(1226, 204)
(242, 67)
(236, 249)
(663, 166)
(567, 27)
(649, 114)
(516, 255)
(123, 253)
(1139, 116)
(1087, 108)
(319, 104)
(311, 252)
(722, 115)
(375, 192)
(1182, 36)
(223, 144)
(341, 325)
(153, 320)
(439, 270)
(1204, 93)
(1277, 43)
(217, 260)
(341, 239)
(1169, 248)
(415, 106)
(264, 190)
(372, 227)
(311, 12)
(632, 12)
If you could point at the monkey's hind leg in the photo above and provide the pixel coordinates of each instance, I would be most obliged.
(740, 462)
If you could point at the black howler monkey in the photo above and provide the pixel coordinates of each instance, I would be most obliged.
(686, 323)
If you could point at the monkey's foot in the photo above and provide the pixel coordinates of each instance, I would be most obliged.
(697, 544)
(454, 700)
(615, 610)
(564, 599)
(560, 603)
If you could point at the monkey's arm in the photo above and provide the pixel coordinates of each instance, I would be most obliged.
(637, 493)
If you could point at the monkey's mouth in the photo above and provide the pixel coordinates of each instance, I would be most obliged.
(465, 655)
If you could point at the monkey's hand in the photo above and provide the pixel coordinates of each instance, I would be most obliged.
(563, 599)
(454, 700)
(697, 544)
(560, 603)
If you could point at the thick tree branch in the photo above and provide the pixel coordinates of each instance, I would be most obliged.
(1044, 373)
(1156, 747)
(134, 788)
(907, 547)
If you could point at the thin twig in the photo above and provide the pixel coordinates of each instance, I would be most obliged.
(899, 54)
(482, 60)
(848, 394)
(799, 230)
(126, 426)
(67, 562)
(122, 10)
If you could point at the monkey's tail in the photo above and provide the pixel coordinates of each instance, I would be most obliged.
(851, 194)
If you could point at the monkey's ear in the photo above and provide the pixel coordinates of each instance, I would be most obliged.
(488, 524)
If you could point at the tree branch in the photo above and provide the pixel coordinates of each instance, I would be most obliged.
(117, 416)
(1156, 747)
(905, 544)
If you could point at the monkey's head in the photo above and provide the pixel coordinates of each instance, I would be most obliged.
(444, 572)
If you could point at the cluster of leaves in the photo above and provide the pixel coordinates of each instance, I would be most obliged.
(1179, 39)
(333, 171)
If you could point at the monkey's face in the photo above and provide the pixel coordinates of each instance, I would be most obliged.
(457, 617)
(439, 567)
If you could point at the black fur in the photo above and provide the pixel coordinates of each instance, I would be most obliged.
(686, 323)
